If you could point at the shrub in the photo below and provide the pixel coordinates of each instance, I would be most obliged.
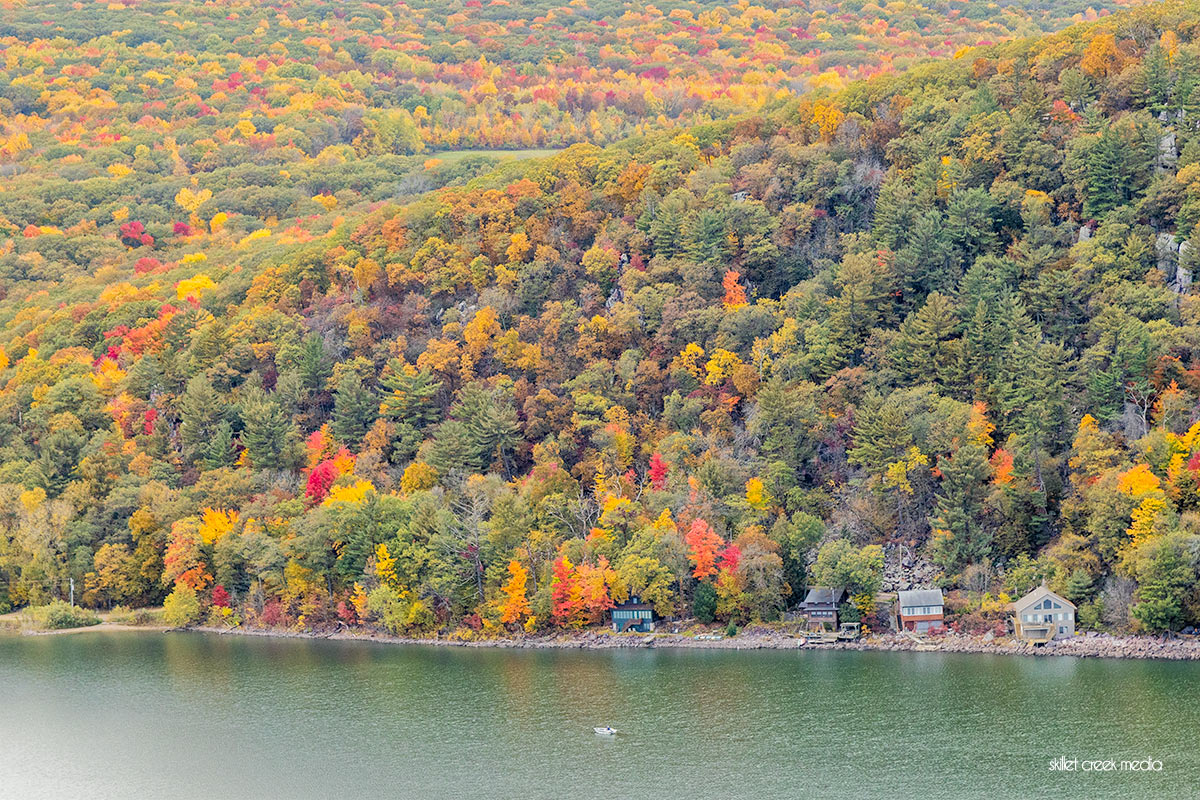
(272, 614)
(124, 615)
(399, 614)
(60, 615)
(1090, 616)
(223, 617)
(182, 607)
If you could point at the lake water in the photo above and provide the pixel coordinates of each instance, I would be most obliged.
(133, 715)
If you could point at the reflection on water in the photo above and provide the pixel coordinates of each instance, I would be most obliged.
(185, 715)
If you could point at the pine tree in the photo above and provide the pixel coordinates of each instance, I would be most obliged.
(354, 410)
(960, 536)
(1106, 174)
(927, 345)
(58, 463)
(926, 262)
(666, 229)
(882, 433)
(314, 364)
(146, 377)
(491, 424)
(1079, 587)
(208, 345)
(970, 223)
(1158, 79)
(1187, 77)
(265, 433)
(201, 410)
(706, 239)
(451, 449)
(410, 395)
(219, 452)
(704, 602)
(895, 214)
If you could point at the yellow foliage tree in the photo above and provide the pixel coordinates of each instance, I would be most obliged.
(516, 606)
(979, 427)
(1138, 481)
(385, 567)
(721, 366)
(688, 359)
(354, 493)
(417, 477)
(215, 525)
(194, 287)
(756, 495)
(1141, 524)
(190, 200)
(896, 475)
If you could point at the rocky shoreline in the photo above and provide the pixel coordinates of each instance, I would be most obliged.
(1091, 645)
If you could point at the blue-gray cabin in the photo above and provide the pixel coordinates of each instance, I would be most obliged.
(633, 615)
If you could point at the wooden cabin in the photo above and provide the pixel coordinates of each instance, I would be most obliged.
(920, 610)
(820, 607)
(1042, 615)
(633, 615)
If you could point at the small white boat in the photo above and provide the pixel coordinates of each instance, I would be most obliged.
(605, 731)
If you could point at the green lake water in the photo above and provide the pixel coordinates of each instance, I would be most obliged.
(139, 715)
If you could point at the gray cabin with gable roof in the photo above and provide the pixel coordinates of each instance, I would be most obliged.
(1042, 615)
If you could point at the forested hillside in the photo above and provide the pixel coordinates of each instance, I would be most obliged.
(397, 77)
(944, 315)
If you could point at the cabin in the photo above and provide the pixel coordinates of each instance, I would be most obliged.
(920, 610)
(820, 607)
(1042, 615)
(633, 615)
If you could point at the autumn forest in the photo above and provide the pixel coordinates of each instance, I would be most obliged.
(477, 318)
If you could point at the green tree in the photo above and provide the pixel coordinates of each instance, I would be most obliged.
(354, 410)
(410, 401)
(267, 434)
(704, 602)
(61, 451)
(1165, 569)
(490, 421)
(840, 564)
(219, 452)
(182, 607)
(959, 533)
(201, 412)
(314, 365)
(927, 347)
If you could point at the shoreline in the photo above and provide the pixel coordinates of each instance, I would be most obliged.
(1091, 645)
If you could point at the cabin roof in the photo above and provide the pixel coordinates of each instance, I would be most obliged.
(823, 596)
(633, 607)
(921, 597)
(1039, 594)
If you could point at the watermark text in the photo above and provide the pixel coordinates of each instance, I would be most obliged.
(1065, 764)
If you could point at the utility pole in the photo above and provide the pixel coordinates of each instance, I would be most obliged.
(72, 592)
